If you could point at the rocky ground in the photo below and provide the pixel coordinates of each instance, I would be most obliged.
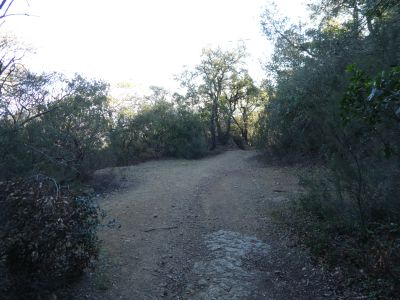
(201, 229)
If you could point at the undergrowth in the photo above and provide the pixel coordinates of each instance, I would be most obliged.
(326, 218)
(48, 236)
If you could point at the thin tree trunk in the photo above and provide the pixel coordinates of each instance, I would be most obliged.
(228, 129)
(220, 134)
(213, 126)
(356, 20)
(245, 131)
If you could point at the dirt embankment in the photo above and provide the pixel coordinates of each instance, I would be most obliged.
(200, 229)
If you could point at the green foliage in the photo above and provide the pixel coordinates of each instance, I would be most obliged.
(349, 214)
(48, 234)
(322, 105)
(376, 104)
(309, 67)
(62, 136)
(374, 101)
(222, 90)
(77, 129)
(326, 219)
(157, 131)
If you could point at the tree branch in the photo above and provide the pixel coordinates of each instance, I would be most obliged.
(2, 4)
(38, 115)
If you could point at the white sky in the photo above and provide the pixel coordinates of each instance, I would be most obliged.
(144, 42)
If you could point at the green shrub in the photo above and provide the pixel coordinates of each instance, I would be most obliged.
(160, 130)
(327, 219)
(48, 235)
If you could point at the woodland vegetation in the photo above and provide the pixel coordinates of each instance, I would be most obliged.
(332, 95)
(55, 131)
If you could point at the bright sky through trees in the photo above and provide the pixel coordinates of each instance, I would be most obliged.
(141, 42)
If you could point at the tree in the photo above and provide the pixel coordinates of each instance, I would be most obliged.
(240, 96)
(309, 66)
(349, 122)
(50, 124)
(158, 130)
(77, 129)
(209, 82)
(158, 94)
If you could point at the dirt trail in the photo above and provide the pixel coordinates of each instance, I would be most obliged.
(200, 229)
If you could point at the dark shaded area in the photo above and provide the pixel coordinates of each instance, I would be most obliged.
(335, 99)
(48, 237)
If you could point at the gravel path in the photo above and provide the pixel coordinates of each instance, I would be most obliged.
(200, 229)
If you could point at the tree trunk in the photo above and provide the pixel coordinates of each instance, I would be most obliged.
(245, 136)
(213, 121)
(356, 20)
(245, 131)
(220, 134)
(228, 129)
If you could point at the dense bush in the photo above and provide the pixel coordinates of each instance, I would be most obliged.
(322, 106)
(156, 131)
(48, 235)
(52, 125)
(309, 66)
(349, 213)
(327, 218)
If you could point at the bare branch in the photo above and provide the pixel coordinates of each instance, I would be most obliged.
(8, 8)
(2, 4)
(293, 44)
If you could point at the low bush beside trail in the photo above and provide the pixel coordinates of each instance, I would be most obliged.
(48, 236)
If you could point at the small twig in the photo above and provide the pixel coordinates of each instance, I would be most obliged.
(55, 184)
(160, 228)
(42, 177)
(279, 191)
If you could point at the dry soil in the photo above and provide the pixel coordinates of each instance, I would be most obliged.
(201, 229)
